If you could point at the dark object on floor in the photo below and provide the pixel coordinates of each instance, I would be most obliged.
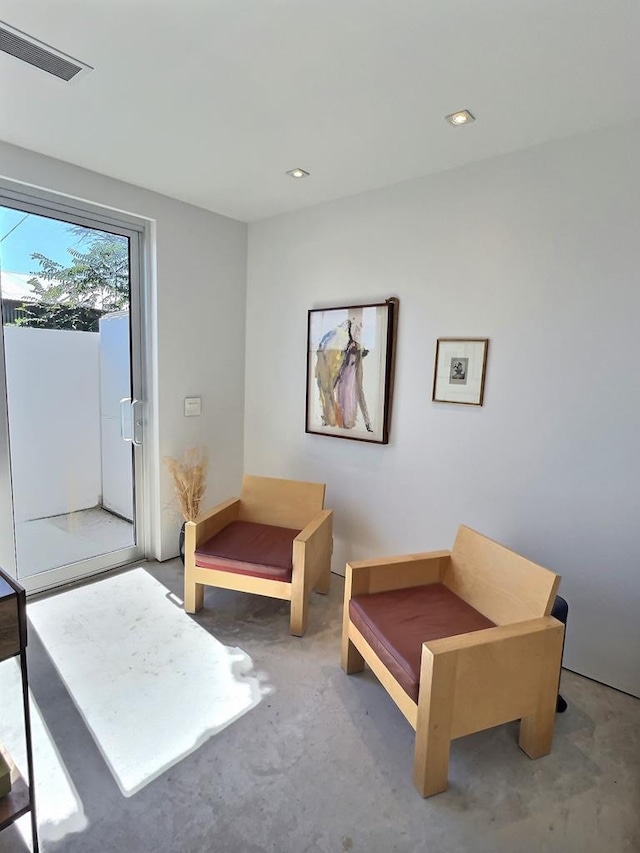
(560, 611)
(181, 542)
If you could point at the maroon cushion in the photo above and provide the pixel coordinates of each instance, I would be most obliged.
(260, 550)
(396, 623)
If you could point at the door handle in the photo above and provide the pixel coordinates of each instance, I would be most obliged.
(126, 430)
(131, 421)
(137, 434)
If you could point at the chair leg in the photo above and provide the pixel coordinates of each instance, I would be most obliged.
(324, 581)
(536, 730)
(193, 596)
(193, 592)
(431, 763)
(352, 660)
(433, 726)
(298, 618)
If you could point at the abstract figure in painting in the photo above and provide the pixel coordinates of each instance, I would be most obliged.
(339, 376)
(348, 396)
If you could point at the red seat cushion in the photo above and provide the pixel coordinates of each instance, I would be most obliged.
(247, 548)
(397, 622)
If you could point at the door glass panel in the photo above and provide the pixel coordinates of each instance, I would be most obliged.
(66, 292)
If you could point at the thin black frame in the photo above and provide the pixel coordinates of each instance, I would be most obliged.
(392, 306)
(485, 353)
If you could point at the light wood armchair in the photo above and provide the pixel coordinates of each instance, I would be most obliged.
(289, 568)
(471, 681)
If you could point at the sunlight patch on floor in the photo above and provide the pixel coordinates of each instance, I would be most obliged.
(59, 808)
(149, 682)
(46, 543)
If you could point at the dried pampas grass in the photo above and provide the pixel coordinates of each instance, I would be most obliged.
(189, 474)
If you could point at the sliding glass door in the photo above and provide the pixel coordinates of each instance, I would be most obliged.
(72, 420)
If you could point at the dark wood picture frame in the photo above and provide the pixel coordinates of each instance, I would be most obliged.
(459, 371)
(350, 368)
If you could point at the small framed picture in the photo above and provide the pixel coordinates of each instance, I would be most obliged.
(459, 372)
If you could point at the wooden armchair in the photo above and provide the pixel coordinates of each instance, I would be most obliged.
(274, 540)
(462, 641)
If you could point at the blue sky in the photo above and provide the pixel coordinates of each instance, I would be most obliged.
(36, 234)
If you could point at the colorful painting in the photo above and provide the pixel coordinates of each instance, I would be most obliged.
(349, 364)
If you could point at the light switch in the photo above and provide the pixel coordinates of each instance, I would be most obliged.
(192, 407)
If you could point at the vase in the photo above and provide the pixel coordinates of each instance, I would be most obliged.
(181, 542)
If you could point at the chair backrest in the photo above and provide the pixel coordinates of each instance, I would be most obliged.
(499, 583)
(283, 503)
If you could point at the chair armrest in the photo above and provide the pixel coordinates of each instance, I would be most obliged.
(386, 573)
(320, 522)
(312, 547)
(497, 638)
(494, 675)
(208, 524)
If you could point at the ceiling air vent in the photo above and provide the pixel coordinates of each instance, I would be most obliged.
(41, 55)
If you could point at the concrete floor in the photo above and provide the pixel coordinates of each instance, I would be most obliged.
(323, 763)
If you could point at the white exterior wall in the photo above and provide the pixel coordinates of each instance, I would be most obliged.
(197, 317)
(537, 251)
(115, 385)
(54, 420)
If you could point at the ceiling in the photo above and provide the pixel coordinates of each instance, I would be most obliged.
(212, 101)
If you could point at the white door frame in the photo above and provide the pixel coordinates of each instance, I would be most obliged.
(55, 206)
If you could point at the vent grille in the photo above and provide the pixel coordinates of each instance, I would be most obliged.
(38, 54)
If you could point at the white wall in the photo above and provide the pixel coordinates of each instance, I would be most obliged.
(537, 251)
(198, 295)
(54, 420)
(115, 385)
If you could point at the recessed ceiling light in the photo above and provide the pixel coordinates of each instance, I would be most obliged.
(298, 173)
(461, 117)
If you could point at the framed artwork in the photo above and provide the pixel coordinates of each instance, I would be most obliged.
(350, 360)
(459, 372)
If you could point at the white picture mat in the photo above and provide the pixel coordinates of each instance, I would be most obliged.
(373, 321)
(446, 391)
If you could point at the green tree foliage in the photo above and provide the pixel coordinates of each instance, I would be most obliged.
(75, 296)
